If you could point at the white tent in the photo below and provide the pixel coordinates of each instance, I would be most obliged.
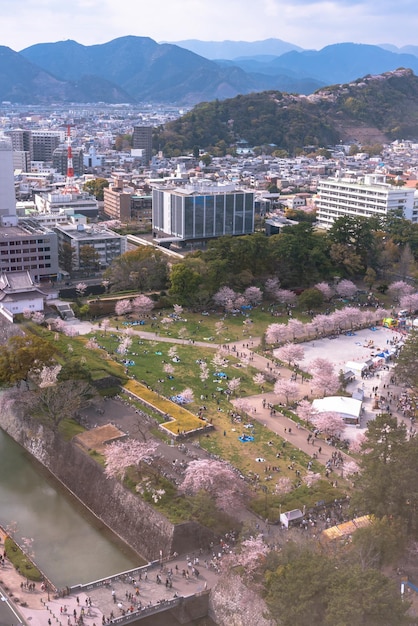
(348, 408)
(356, 367)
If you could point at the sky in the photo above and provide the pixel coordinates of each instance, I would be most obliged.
(310, 24)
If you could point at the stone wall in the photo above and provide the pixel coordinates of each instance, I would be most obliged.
(143, 528)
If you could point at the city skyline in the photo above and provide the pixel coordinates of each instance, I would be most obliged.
(310, 24)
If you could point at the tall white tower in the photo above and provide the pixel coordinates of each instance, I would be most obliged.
(7, 184)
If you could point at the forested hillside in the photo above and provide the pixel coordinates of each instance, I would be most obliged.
(383, 107)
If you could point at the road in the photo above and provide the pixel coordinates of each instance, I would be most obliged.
(8, 616)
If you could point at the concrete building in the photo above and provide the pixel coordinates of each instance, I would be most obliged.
(25, 246)
(44, 143)
(142, 140)
(106, 243)
(7, 184)
(80, 202)
(121, 202)
(201, 210)
(29, 247)
(365, 196)
(60, 160)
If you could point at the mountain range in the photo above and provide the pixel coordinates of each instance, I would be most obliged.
(138, 69)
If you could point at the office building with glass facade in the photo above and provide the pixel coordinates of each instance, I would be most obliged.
(202, 210)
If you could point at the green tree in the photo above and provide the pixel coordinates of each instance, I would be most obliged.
(317, 588)
(184, 283)
(23, 355)
(370, 277)
(143, 269)
(96, 187)
(387, 486)
(74, 369)
(123, 142)
(66, 255)
(406, 368)
(310, 299)
(88, 258)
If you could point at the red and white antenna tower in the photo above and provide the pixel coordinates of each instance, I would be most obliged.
(70, 186)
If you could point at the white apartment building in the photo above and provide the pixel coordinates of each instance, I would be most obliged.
(366, 196)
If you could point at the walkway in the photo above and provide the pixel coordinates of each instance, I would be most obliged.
(106, 600)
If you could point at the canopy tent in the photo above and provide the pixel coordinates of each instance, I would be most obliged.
(348, 408)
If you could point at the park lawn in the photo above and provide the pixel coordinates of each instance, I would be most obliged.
(182, 420)
(97, 361)
(200, 327)
(150, 357)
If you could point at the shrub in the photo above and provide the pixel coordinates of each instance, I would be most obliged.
(21, 561)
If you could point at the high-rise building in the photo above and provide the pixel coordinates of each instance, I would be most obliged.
(366, 196)
(7, 184)
(21, 140)
(142, 140)
(202, 210)
(25, 246)
(60, 160)
(44, 143)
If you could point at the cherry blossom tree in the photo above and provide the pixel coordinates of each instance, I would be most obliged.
(168, 369)
(287, 388)
(243, 404)
(38, 317)
(350, 468)
(305, 411)
(325, 289)
(81, 289)
(142, 305)
(277, 333)
(295, 327)
(253, 295)
(409, 302)
(290, 353)
(183, 333)
(123, 307)
(27, 314)
(250, 555)
(172, 352)
(234, 384)
(120, 455)
(220, 328)
(398, 289)
(219, 360)
(272, 285)
(285, 296)
(124, 345)
(48, 375)
(357, 444)
(166, 321)
(311, 478)
(204, 372)
(283, 485)
(224, 296)
(187, 395)
(259, 379)
(217, 479)
(323, 385)
(330, 423)
(346, 288)
(323, 323)
(178, 310)
(92, 344)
